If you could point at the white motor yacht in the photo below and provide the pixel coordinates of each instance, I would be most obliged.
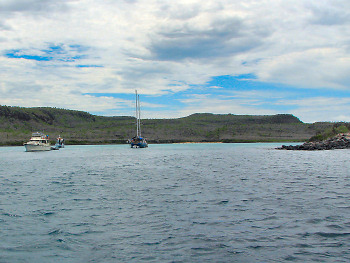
(38, 142)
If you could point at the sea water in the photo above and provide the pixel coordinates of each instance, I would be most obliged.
(174, 203)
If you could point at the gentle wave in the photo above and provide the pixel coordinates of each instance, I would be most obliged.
(174, 203)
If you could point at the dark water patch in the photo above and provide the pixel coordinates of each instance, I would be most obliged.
(48, 213)
(331, 235)
(314, 221)
(222, 202)
(291, 258)
(150, 243)
(202, 249)
(11, 215)
(55, 232)
(303, 245)
(82, 200)
(335, 227)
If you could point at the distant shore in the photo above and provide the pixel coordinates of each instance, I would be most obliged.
(121, 142)
(82, 128)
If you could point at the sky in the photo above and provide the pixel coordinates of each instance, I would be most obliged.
(187, 56)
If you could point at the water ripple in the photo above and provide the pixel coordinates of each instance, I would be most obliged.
(174, 203)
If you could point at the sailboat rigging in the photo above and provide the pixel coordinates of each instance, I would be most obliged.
(137, 141)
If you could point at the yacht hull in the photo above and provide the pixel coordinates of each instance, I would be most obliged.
(37, 147)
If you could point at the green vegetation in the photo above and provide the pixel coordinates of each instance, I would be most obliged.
(77, 127)
(329, 132)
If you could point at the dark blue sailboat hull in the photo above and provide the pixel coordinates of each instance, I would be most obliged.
(139, 145)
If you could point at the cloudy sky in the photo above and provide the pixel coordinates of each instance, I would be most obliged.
(183, 57)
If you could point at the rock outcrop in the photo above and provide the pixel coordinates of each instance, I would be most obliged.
(341, 141)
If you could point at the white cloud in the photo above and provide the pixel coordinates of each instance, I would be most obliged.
(221, 105)
(313, 68)
(158, 47)
(320, 109)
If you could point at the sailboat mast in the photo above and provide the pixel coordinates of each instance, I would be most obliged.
(139, 104)
(137, 115)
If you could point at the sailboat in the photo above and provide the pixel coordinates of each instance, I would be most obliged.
(137, 141)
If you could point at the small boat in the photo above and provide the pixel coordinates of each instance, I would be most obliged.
(59, 142)
(38, 142)
(138, 141)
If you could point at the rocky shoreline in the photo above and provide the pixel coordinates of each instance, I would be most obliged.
(341, 141)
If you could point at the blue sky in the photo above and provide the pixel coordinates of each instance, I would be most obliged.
(239, 57)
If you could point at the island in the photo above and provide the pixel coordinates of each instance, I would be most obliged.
(78, 127)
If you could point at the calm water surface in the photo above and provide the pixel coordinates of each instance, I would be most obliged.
(174, 203)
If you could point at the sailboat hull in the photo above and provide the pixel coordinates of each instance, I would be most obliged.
(139, 145)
